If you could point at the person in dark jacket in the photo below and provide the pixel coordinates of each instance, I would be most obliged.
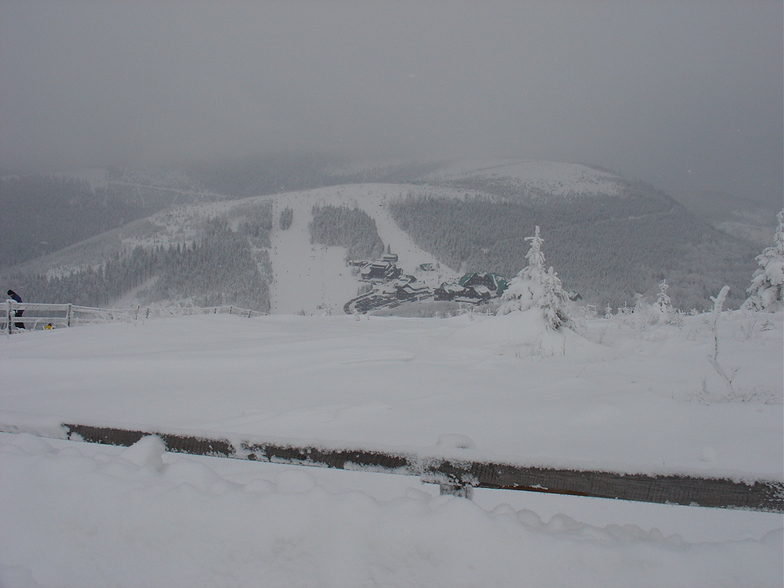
(18, 314)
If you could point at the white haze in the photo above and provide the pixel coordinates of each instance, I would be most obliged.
(685, 95)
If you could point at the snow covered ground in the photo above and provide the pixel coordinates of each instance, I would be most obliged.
(621, 395)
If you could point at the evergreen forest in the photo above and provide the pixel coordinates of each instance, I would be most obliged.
(223, 267)
(352, 228)
(606, 249)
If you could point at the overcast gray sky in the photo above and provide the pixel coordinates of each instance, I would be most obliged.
(685, 94)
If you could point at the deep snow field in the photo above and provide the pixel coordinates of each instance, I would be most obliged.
(620, 395)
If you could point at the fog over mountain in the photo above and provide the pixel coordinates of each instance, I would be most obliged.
(683, 95)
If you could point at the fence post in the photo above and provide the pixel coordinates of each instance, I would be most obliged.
(8, 313)
(68, 315)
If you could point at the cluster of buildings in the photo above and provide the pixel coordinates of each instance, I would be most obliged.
(391, 286)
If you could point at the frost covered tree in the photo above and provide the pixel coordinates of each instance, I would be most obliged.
(767, 284)
(663, 302)
(662, 310)
(535, 287)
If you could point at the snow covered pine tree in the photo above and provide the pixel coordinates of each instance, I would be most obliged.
(767, 284)
(535, 287)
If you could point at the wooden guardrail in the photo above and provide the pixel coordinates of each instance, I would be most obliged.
(41, 315)
(456, 476)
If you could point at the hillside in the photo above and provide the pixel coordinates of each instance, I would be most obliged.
(744, 218)
(42, 214)
(45, 213)
(605, 248)
(609, 238)
(236, 252)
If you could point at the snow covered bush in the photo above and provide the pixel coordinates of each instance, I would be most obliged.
(661, 312)
(535, 287)
(767, 284)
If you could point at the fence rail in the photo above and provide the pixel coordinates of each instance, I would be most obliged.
(454, 476)
(35, 315)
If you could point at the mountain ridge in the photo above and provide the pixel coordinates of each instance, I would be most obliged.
(479, 214)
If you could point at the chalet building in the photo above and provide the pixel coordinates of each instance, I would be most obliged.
(381, 271)
(479, 292)
(474, 287)
(412, 290)
(447, 291)
(404, 279)
(493, 282)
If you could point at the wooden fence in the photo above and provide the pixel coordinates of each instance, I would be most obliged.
(455, 476)
(39, 315)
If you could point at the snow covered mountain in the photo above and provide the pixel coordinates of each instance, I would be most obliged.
(303, 277)
(606, 236)
(534, 179)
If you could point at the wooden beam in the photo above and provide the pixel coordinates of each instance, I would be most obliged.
(758, 495)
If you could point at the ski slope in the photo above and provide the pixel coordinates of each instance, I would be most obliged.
(315, 279)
